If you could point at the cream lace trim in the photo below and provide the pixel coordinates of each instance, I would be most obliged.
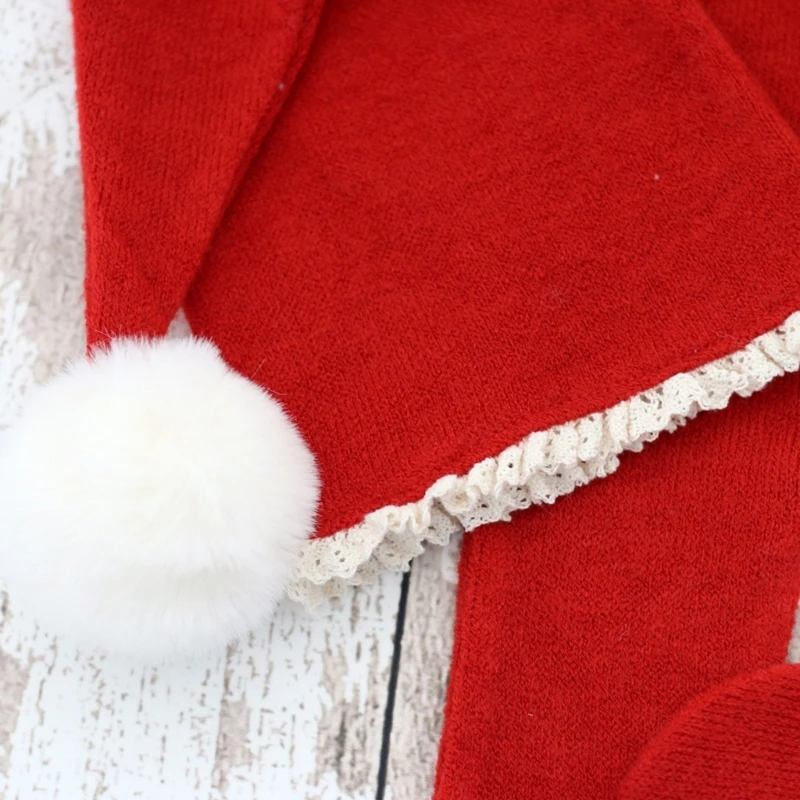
(542, 467)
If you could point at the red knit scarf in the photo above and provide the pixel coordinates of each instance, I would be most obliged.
(433, 229)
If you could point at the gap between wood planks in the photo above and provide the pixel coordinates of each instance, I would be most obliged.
(392, 688)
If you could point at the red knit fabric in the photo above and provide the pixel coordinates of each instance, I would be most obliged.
(766, 35)
(439, 227)
(737, 742)
(468, 222)
(174, 100)
(583, 627)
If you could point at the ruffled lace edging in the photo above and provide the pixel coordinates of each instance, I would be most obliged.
(541, 468)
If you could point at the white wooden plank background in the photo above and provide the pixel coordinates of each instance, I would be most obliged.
(297, 711)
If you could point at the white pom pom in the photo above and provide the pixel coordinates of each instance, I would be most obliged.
(153, 501)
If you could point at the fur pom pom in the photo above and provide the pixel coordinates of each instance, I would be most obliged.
(153, 501)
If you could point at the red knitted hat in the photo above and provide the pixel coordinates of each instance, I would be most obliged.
(462, 273)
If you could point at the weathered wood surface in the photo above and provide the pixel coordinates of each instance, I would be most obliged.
(298, 710)
(295, 712)
(426, 648)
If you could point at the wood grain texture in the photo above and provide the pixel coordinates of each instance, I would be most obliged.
(294, 712)
(427, 646)
(91, 728)
(305, 719)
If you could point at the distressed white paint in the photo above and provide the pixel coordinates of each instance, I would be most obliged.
(37, 76)
(296, 712)
(424, 669)
(86, 726)
(17, 352)
(306, 720)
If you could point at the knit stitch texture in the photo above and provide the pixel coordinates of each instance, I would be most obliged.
(582, 628)
(432, 232)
